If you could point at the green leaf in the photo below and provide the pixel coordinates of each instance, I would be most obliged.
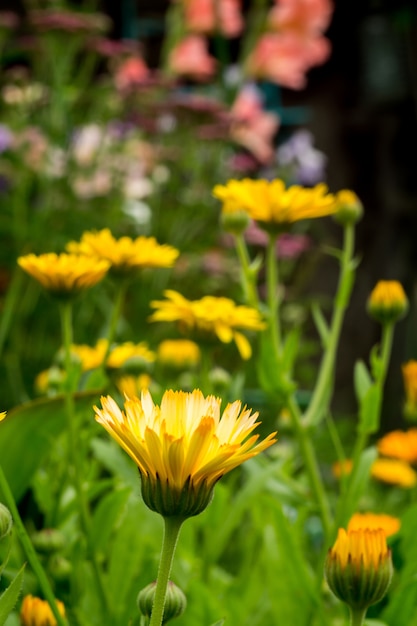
(9, 597)
(358, 481)
(219, 623)
(362, 380)
(370, 410)
(29, 431)
(273, 376)
(321, 324)
(292, 342)
(106, 515)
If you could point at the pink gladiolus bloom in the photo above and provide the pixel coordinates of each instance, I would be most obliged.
(131, 72)
(209, 16)
(285, 58)
(305, 17)
(191, 59)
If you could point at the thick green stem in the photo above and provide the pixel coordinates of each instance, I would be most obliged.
(172, 527)
(29, 549)
(322, 390)
(273, 297)
(357, 617)
(248, 276)
(74, 445)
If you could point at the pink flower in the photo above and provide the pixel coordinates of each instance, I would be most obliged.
(306, 17)
(285, 58)
(190, 58)
(209, 16)
(252, 127)
(131, 72)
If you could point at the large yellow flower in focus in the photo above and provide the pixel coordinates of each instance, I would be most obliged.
(212, 315)
(125, 254)
(37, 612)
(64, 274)
(272, 203)
(183, 447)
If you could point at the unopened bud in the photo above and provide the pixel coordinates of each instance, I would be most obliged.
(175, 601)
(387, 302)
(6, 521)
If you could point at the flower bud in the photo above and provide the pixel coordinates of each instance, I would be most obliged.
(349, 208)
(48, 540)
(358, 568)
(235, 222)
(175, 601)
(387, 302)
(6, 521)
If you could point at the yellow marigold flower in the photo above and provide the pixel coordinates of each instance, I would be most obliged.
(37, 612)
(389, 524)
(179, 353)
(132, 386)
(125, 254)
(124, 352)
(183, 447)
(270, 202)
(212, 315)
(342, 468)
(358, 567)
(399, 444)
(394, 472)
(64, 274)
(90, 357)
(409, 371)
(3, 415)
(387, 302)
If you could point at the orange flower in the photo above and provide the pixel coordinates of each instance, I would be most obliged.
(400, 445)
(394, 472)
(389, 524)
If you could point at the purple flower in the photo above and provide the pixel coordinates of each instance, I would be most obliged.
(306, 163)
(6, 138)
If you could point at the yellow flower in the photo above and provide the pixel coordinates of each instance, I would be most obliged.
(409, 371)
(212, 315)
(387, 302)
(400, 444)
(125, 254)
(179, 353)
(3, 415)
(132, 386)
(394, 472)
(91, 357)
(349, 207)
(272, 203)
(119, 355)
(358, 567)
(389, 524)
(342, 468)
(64, 274)
(183, 447)
(37, 612)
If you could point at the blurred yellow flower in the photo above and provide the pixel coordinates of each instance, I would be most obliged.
(212, 315)
(124, 254)
(124, 352)
(409, 371)
(271, 202)
(349, 208)
(342, 468)
(399, 444)
(389, 524)
(183, 447)
(64, 274)
(178, 353)
(131, 386)
(90, 357)
(3, 415)
(37, 612)
(387, 301)
(394, 472)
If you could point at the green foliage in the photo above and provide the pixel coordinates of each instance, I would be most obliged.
(10, 596)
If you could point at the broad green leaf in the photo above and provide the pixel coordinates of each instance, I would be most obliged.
(370, 410)
(321, 324)
(273, 376)
(9, 597)
(106, 515)
(291, 346)
(362, 380)
(357, 484)
(219, 623)
(28, 432)
(116, 461)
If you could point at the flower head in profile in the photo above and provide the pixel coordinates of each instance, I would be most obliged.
(394, 472)
(182, 447)
(409, 371)
(358, 567)
(273, 205)
(399, 444)
(37, 612)
(125, 254)
(64, 274)
(387, 302)
(389, 524)
(210, 315)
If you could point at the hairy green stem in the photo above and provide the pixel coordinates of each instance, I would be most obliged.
(357, 617)
(29, 549)
(273, 298)
(322, 391)
(172, 527)
(248, 276)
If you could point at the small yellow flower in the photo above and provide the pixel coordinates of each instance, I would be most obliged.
(210, 315)
(178, 353)
(389, 524)
(37, 612)
(3, 415)
(270, 202)
(394, 472)
(91, 357)
(132, 386)
(399, 444)
(125, 254)
(64, 274)
(387, 302)
(124, 352)
(183, 447)
(349, 207)
(409, 371)
(358, 567)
